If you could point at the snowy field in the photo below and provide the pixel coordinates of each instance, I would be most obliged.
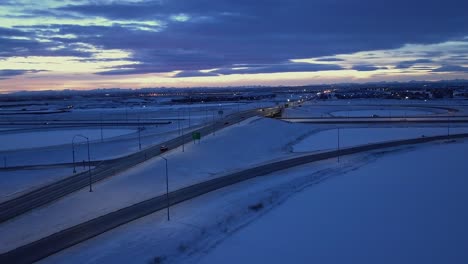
(349, 137)
(198, 224)
(383, 108)
(203, 161)
(362, 210)
(199, 162)
(237, 147)
(403, 208)
(54, 137)
(379, 112)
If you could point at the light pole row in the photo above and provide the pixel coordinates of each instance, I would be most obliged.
(89, 159)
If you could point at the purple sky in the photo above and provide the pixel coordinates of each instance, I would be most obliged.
(84, 44)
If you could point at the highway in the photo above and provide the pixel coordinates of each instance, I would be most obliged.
(108, 168)
(54, 243)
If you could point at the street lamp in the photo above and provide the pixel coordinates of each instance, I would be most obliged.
(178, 120)
(89, 160)
(167, 190)
(139, 134)
(183, 139)
(102, 134)
(213, 122)
(338, 144)
(189, 116)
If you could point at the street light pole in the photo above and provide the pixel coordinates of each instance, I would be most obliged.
(89, 169)
(89, 159)
(167, 190)
(139, 134)
(102, 135)
(338, 144)
(178, 120)
(189, 117)
(213, 122)
(183, 139)
(73, 155)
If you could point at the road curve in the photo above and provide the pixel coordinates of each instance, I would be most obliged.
(56, 242)
(108, 168)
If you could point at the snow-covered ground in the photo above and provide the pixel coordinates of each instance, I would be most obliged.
(241, 149)
(403, 208)
(41, 152)
(379, 112)
(196, 225)
(16, 141)
(253, 142)
(234, 148)
(362, 210)
(349, 137)
(109, 148)
(384, 108)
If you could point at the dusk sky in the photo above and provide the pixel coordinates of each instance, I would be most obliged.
(87, 44)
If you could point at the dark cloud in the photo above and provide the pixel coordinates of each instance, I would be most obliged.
(5, 74)
(19, 42)
(184, 74)
(451, 68)
(25, 48)
(330, 59)
(285, 67)
(225, 33)
(9, 32)
(365, 67)
(267, 32)
(411, 63)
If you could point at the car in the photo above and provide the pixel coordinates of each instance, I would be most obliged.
(163, 148)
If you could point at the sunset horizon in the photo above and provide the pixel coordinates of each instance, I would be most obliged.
(83, 45)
